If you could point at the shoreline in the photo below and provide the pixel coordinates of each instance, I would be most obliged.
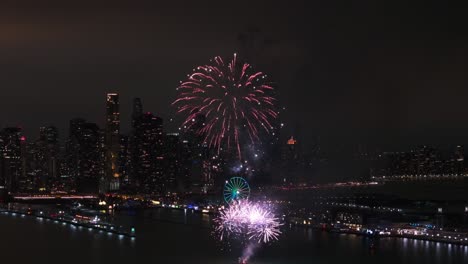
(64, 221)
(328, 230)
(378, 236)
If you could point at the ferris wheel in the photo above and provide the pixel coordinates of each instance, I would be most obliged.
(236, 188)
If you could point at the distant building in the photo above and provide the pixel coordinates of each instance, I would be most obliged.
(147, 153)
(13, 162)
(35, 169)
(124, 163)
(66, 183)
(49, 134)
(421, 163)
(459, 160)
(195, 155)
(84, 155)
(47, 151)
(2, 173)
(291, 160)
(112, 143)
(185, 170)
(172, 162)
(137, 110)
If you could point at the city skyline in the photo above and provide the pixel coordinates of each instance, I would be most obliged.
(234, 132)
(378, 84)
(172, 126)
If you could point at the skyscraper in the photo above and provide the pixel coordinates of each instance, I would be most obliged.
(84, 155)
(112, 115)
(66, 183)
(459, 160)
(172, 165)
(125, 163)
(2, 175)
(137, 110)
(34, 168)
(195, 154)
(147, 153)
(185, 163)
(13, 172)
(112, 143)
(132, 146)
(43, 159)
(48, 134)
(291, 161)
(72, 148)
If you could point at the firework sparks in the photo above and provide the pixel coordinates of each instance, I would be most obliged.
(250, 220)
(234, 100)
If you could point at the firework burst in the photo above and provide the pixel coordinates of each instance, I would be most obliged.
(248, 220)
(234, 100)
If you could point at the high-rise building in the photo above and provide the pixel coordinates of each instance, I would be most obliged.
(132, 148)
(48, 134)
(137, 110)
(459, 160)
(291, 161)
(43, 167)
(34, 168)
(2, 175)
(112, 116)
(201, 166)
(112, 143)
(66, 183)
(13, 165)
(211, 172)
(185, 169)
(147, 153)
(125, 163)
(84, 155)
(194, 154)
(72, 147)
(172, 164)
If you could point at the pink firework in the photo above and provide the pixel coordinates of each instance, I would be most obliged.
(233, 99)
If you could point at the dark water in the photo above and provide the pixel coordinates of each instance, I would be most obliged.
(166, 236)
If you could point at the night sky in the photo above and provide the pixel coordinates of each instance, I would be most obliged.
(376, 73)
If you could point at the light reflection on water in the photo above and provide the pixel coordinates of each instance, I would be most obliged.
(179, 237)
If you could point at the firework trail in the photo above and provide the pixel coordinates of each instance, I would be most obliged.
(234, 99)
(249, 251)
(248, 220)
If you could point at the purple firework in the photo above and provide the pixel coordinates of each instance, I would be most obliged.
(244, 218)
